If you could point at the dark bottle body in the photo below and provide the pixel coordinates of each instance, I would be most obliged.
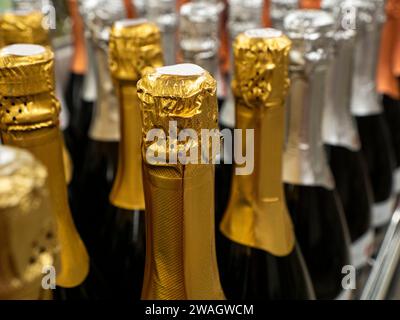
(377, 149)
(248, 273)
(322, 235)
(353, 187)
(126, 255)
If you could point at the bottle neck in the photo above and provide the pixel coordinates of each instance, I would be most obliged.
(180, 248)
(45, 144)
(305, 161)
(127, 192)
(257, 215)
(105, 122)
(339, 127)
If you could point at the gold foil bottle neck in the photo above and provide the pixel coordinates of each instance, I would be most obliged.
(27, 88)
(29, 119)
(135, 46)
(257, 216)
(134, 49)
(261, 65)
(23, 27)
(28, 239)
(180, 246)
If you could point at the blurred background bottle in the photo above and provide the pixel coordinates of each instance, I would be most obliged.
(312, 199)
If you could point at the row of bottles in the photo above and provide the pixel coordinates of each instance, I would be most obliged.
(322, 184)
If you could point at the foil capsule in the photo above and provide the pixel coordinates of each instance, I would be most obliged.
(135, 49)
(305, 161)
(257, 216)
(180, 256)
(29, 119)
(28, 236)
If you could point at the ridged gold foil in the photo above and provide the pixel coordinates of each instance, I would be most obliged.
(135, 48)
(29, 119)
(23, 27)
(28, 237)
(27, 27)
(180, 244)
(257, 215)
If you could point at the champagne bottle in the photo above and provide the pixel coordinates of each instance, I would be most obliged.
(163, 13)
(313, 201)
(25, 25)
(342, 141)
(28, 237)
(365, 106)
(101, 156)
(29, 119)
(259, 258)
(135, 47)
(180, 247)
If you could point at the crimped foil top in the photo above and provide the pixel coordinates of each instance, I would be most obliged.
(26, 225)
(26, 88)
(135, 46)
(183, 93)
(258, 54)
(23, 27)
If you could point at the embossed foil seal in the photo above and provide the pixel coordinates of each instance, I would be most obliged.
(257, 215)
(339, 127)
(181, 259)
(305, 161)
(28, 237)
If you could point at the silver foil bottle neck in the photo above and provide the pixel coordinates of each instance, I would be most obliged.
(199, 34)
(99, 20)
(243, 15)
(163, 13)
(369, 15)
(279, 9)
(339, 126)
(305, 161)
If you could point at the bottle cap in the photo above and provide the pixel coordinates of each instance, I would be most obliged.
(28, 240)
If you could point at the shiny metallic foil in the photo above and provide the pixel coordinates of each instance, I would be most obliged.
(257, 215)
(23, 27)
(305, 161)
(339, 127)
(29, 119)
(280, 9)
(135, 48)
(27, 27)
(28, 237)
(180, 250)
(106, 119)
(370, 17)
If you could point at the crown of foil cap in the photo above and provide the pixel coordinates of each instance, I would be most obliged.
(27, 229)
(184, 93)
(261, 67)
(27, 71)
(23, 27)
(199, 19)
(135, 48)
